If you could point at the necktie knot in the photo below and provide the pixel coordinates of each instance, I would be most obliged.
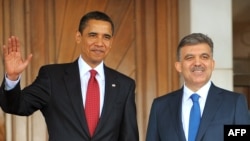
(93, 73)
(195, 97)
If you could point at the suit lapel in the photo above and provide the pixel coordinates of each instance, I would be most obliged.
(111, 90)
(73, 85)
(213, 102)
(176, 109)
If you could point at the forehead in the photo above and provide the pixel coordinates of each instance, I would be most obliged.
(98, 26)
(197, 48)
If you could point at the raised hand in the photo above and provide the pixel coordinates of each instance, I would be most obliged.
(13, 61)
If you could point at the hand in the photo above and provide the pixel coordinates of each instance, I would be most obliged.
(13, 61)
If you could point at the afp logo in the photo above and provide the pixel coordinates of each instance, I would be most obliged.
(236, 132)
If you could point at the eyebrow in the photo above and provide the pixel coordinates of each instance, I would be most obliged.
(105, 34)
(202, 54)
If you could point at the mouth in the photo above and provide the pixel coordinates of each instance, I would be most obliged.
(97, 51)
(198, 73)
(197, 69)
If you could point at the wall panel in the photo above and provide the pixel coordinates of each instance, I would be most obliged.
(144, 48)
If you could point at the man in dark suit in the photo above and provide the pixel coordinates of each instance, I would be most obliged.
(169, 116)
(59, 91)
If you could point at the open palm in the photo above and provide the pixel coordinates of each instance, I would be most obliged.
(13, 61)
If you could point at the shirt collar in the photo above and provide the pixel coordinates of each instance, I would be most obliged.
(84, 68)
(202, 92)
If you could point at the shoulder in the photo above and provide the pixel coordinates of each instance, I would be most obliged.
(59, 69)
(227, 95)
(114, 74)
(175, 95)
(55, 66)
(61, 66)
(166, 102)
(224, 92)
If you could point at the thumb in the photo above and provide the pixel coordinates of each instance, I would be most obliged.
(26, 62)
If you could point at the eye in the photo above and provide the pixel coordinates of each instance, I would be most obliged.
(92, 34)
(189, 57)
(107, 37)
(205, 56)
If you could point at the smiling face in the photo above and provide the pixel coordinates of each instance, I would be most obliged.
(95, 41)
(196, 65)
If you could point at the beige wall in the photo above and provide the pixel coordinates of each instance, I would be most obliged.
(206, 17)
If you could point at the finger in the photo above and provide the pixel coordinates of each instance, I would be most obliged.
(5, 50)
(14, 43)
(26, 62)
(9, 45)
(18, 45)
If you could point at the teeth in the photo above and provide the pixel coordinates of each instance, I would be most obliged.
(197, 71)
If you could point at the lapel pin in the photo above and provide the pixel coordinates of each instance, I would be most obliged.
(113, 85)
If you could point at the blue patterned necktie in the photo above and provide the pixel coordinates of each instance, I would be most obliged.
(194, 119)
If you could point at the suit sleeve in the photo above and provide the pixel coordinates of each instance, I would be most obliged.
(242, 115)
(152, 132)
(31, 98)
(129, 127)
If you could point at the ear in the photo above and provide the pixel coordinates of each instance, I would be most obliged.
(111, 41)
(213, 64)
(78, 37)
(178, 66)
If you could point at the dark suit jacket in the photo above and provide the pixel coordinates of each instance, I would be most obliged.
(222, 107)
(56, 92)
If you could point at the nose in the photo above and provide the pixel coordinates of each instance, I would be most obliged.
(197, 61)
(99, 41)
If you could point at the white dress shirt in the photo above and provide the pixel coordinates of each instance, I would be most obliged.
(187, 104)
(84, 69)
